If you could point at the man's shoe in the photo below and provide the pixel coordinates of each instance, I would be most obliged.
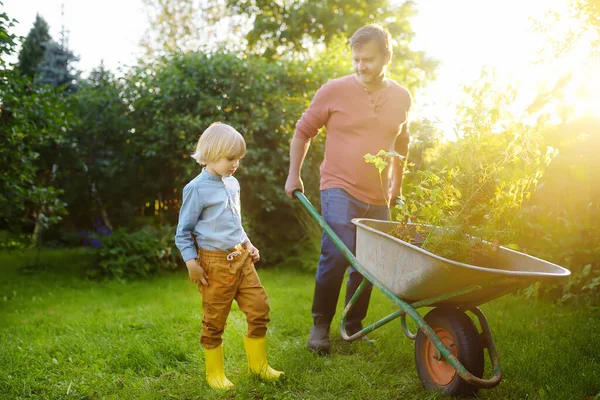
(319, 339)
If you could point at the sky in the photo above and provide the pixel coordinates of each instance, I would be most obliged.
(107, 30)
(464, 35)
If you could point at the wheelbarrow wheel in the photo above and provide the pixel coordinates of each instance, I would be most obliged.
(458, 332)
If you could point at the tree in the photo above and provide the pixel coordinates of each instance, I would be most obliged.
(34, 47)
(7, 39)
(34, 124)
(297, 25)
(588, 12)
(56, 69)
(34, 121)
(299, 28)
(561, 221)
(175, 99)
(570, 27)
(189, 25)
(96, 164)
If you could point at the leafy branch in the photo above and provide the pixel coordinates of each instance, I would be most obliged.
(381, 161)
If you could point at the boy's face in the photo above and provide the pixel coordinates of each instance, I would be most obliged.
(225, 166)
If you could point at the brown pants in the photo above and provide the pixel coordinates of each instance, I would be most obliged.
(231, 279)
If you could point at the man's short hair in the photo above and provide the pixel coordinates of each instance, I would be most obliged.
(218, 141)
(376, 33)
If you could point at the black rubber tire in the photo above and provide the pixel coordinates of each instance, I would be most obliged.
(469, 350)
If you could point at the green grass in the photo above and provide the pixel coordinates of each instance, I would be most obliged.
(63, 336)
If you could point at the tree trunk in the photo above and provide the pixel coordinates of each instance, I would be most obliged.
(100, 205)
(38, 230)
(96, 196)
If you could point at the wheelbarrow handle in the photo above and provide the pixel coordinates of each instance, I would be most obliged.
(297, 193)
(334, 237)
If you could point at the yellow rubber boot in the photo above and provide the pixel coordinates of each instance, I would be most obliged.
(256, 351)
(215, 369)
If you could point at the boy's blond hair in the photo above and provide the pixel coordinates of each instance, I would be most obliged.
(217, 141)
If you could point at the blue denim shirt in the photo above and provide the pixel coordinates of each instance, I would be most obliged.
(211, 210)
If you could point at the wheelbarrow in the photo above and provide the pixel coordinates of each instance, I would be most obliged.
(449, 349)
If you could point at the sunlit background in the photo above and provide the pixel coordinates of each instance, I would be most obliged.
(522, 42)
(504, 149)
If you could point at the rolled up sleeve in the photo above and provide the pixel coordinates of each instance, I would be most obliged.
(315, 116)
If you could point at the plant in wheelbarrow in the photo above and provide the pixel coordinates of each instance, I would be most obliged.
(464, 210)
(461, 209)
(463, 205)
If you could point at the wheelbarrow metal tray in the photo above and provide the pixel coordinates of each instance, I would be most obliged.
(414, 274)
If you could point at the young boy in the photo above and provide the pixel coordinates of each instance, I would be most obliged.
(224, 268)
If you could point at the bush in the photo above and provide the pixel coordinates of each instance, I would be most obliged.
(132, 255)
(561, 221)
(263, 100)
(474, 189)
(13, 241)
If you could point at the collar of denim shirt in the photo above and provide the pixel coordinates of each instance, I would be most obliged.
(208, 176)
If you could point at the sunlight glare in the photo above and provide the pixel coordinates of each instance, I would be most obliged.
(520, 41)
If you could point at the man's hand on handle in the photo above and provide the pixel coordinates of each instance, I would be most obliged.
(292, 183)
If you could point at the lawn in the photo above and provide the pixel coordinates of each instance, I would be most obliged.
(64, 336)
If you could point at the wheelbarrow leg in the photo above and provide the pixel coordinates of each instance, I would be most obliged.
(358, 311)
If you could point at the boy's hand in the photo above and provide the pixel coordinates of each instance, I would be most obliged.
(196, 272)
(254, 253)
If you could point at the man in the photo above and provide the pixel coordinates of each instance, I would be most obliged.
(363, 113)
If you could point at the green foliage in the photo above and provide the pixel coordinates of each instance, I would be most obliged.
(56, 69)
(297, 28)
(7, 39)
(97, 169)
(174, 27)
(34, 47)
(495, 184)
(583, 286)
(381, 161)
(474, 188)
(185, 94)
(139, 254)
(119, 148)
(571, 27)
(33, 128)
(588, 12)
(561, 221)
(12, 241)
(34, 124)
(51, 208)
(304, 255)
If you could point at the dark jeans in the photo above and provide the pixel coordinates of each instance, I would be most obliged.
(338, 210)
